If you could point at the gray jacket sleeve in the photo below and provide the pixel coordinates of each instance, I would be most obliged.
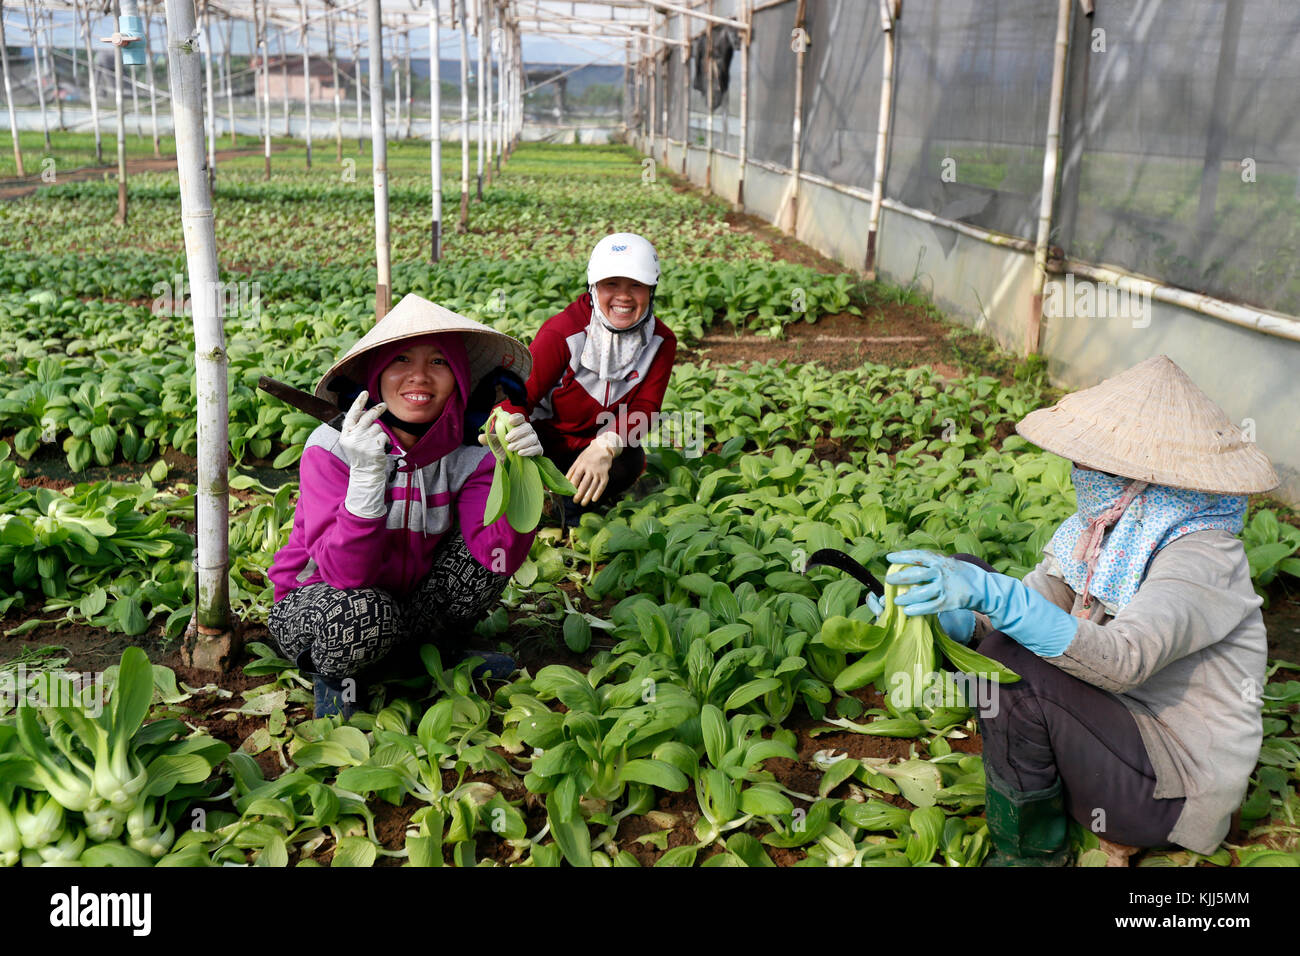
(1185, 604)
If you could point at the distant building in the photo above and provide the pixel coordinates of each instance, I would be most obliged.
(322, 78)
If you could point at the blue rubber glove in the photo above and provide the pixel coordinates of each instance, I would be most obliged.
(941, 584)
(877, 606)
(958, 624)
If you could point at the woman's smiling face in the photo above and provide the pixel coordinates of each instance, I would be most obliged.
(622, 300)
(417, 383)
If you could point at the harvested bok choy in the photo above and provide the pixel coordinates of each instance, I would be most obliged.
(518, 482)
(902, 655)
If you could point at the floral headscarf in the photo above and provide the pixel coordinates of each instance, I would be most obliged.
(1155, 516)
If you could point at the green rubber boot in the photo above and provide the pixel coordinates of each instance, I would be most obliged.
(1028, 827)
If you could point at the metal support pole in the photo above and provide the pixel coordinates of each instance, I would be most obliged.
(121, 126)
(306, 73)
(379, 163)
(888, 25)
(9, 95)
(212, 516)
(435, 136)
(1051, 156)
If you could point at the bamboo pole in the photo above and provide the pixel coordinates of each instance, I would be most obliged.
(230, 88)
(40, 76)
(435, 136)
(410, 96)
(135, 101)
(306, 73)
(334, 71)
(487, 40)
(1051, 155)
(52, 66)
(284, 76)
(686, 94)
(887, 25)
(356, 70)
(397, 91)
(796, 146)
(212, 607)
(501, 87)
(93, 70)
(253, 33)
(9, 95)
(746, 36)
(379, 152)
(708, 103)
(265, 43)
(121, 124)
(478, 105)
(462, 225)
(153, 89)
(76, 21)
(210, 114)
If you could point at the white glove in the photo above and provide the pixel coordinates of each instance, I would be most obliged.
(590, 470)
(521, 439)
(365, 446)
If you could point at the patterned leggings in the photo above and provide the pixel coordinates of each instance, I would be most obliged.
(347, 630)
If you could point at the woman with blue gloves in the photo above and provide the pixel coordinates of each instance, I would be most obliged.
(1138, 638)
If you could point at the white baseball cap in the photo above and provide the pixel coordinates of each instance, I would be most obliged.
(623, 254)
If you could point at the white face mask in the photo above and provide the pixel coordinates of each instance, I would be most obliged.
(609, 352)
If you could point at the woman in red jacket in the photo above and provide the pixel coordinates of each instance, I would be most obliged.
(600, 370)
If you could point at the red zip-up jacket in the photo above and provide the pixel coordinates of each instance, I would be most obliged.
(569, 405)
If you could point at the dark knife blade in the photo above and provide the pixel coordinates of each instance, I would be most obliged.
(303, 401)
(832, 558)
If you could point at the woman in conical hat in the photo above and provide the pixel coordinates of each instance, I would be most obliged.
(1138, 638)
(388, 541)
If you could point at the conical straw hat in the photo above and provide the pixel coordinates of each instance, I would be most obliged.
(415, 316)
(1152, 423)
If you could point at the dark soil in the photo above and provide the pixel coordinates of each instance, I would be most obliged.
(899, 335)
(18, 188)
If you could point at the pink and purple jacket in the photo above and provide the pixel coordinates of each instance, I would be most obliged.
(427, 497)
